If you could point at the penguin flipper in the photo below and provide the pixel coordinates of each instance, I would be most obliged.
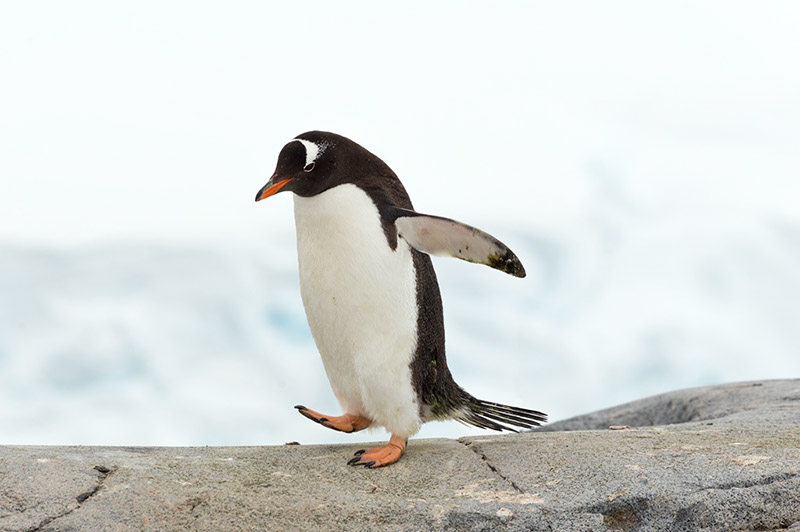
(440, 236)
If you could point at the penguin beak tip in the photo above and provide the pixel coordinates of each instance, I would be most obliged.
(271, 188)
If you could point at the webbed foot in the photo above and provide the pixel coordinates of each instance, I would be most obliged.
(345, 423)
(380, 456)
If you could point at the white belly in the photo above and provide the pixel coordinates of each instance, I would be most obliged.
(360, 300)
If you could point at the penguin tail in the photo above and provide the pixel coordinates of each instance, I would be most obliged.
(494, 416)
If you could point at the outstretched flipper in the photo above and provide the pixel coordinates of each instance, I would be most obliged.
(344, 423)
(445, 237)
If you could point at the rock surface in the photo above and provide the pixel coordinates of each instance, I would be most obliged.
(716, 458)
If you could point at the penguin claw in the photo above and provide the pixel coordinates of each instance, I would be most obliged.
(357, 462)
(359, 453)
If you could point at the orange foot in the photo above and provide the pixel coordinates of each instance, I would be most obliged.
(381, 456)
(345, 423)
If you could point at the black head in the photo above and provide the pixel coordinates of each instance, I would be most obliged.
(316, 161)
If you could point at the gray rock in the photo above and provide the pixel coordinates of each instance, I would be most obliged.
(761, 402)
(721, 458)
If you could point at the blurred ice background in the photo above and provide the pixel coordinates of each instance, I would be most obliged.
(641, 159)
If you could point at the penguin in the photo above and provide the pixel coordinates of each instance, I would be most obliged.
(371, 296)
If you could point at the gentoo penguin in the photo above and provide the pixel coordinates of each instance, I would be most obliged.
(371, 295)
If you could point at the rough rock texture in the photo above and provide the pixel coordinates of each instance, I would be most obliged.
(721, 458)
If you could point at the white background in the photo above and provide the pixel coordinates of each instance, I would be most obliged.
(641, 159)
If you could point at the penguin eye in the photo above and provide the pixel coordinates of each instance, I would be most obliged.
(308, 167)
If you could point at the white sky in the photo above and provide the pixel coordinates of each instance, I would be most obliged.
(161, 120)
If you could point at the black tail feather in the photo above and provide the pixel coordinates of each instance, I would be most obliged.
(495, 416)
(518, 421)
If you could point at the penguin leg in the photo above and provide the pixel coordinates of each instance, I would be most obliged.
(345, 423)
(381, 456)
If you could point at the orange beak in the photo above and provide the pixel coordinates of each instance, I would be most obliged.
(271, 188)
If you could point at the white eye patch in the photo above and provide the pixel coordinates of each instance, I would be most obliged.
(313, 151)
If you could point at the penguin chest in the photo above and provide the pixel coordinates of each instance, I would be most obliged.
(360, 300)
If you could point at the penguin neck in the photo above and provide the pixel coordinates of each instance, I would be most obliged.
(337, 209)
(344, 209)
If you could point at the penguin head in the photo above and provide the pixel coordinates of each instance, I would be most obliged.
(317, 161)
(307, 165)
